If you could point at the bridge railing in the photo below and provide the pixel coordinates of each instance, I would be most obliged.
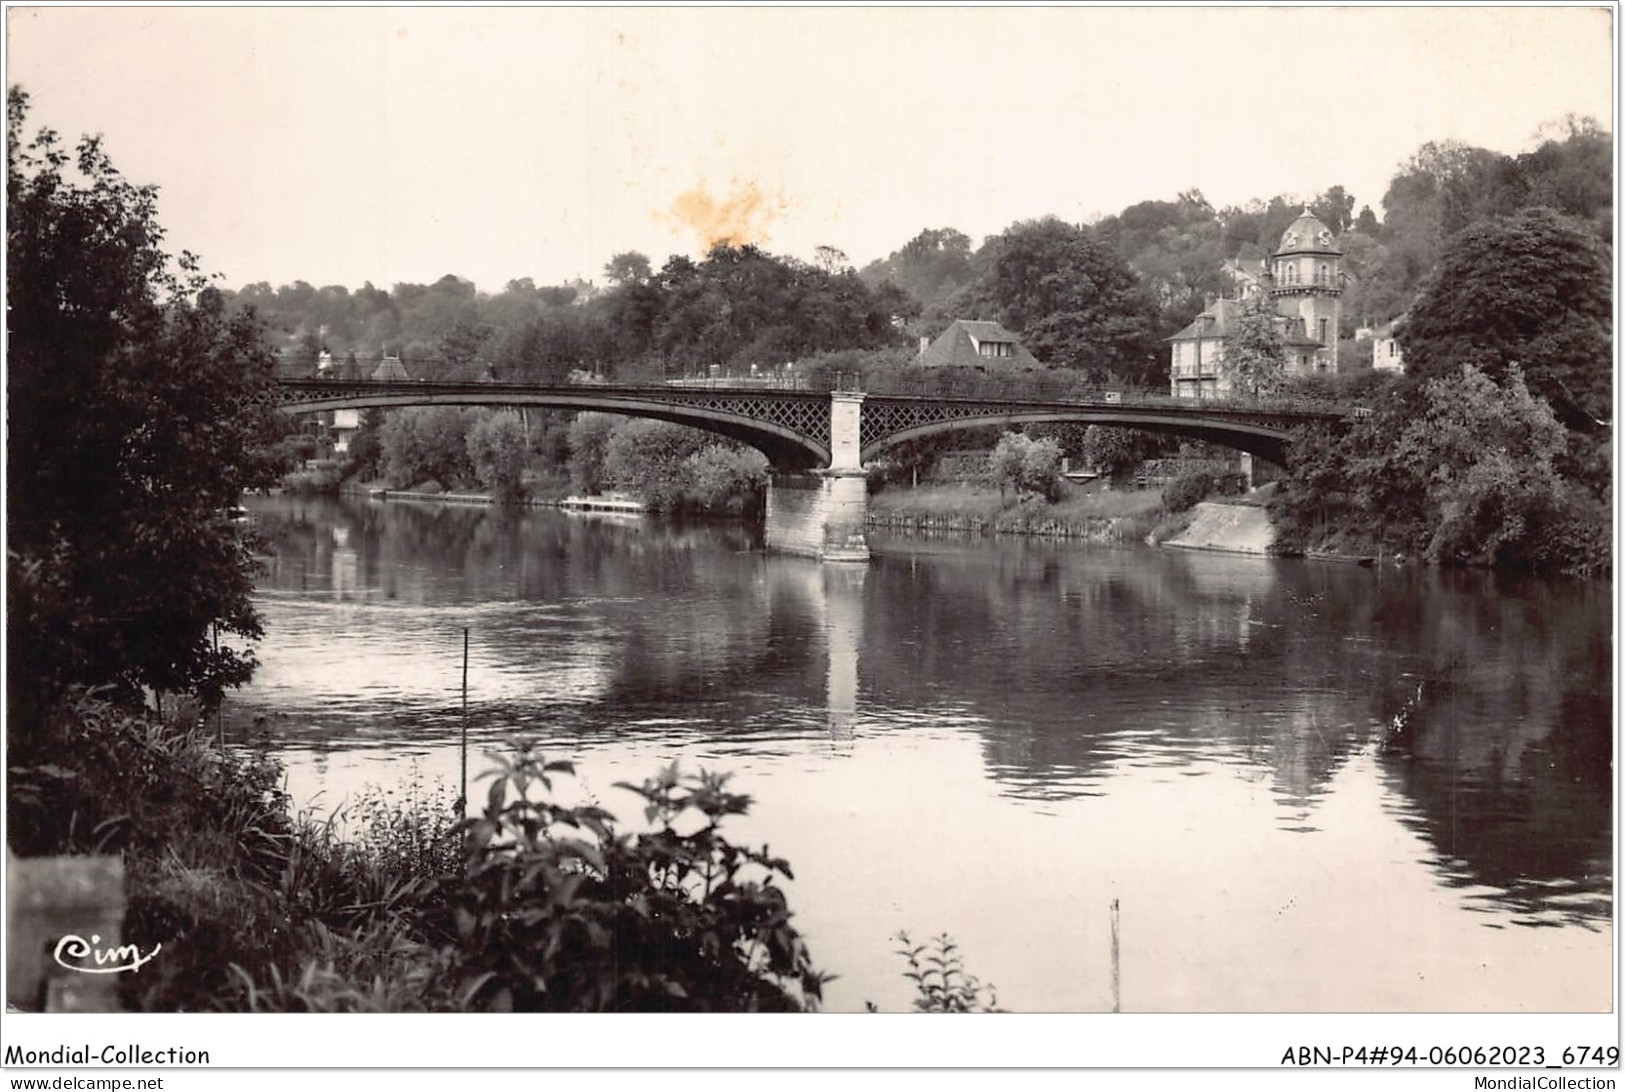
(1054, 386)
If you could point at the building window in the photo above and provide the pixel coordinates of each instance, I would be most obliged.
(995, 348)
(1323, 331)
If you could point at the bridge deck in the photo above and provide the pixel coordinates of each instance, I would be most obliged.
(792, 425)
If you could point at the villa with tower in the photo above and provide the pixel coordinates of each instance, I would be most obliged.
(1303, 279)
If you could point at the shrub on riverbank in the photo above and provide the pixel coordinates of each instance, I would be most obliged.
(315, 480)
(530, 906)
(1460, 470)
(1193, 487)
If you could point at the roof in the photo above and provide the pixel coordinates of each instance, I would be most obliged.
(391, 369)
(1307, 235)
(1245, 267)
(1219, 321)
(1390, 328)
(1216, 321)
(959, 347)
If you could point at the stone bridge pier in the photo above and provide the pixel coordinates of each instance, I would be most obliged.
(821, 513)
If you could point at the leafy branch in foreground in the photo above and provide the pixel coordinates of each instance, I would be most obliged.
(556, 911)
(940, 982)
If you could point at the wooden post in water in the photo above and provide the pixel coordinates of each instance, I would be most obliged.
(1117, 977)
(465, 726)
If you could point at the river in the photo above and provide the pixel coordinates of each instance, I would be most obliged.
(1308, 786)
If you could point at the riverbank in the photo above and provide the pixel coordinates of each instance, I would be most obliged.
(552, 497)
(395, 903)
(1103, 517)
(1235, 525)
(1227, 528)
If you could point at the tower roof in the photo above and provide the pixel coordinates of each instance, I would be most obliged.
(1307, 235)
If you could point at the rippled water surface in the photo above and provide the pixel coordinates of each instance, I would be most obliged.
(1310, 786)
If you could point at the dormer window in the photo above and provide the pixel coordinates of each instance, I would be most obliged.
(996, 349)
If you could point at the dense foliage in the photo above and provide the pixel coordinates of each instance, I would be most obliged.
(498, 449)
(736, 308)
(673, 468)
(532, 905)
(136, 418)
(1533, 290)
(1072, 298)
(1255, 352)
(1030, 467)
(1459, 469)
(554, 910)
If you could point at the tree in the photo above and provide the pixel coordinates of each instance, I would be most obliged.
(1071, 297)
(1335, 209)
(647, 459)
(719, 478)
(1030, 467)
(628, 268)
(1175, 249)
(589, 443)
(1532, 289)
(1114, 450)
(1457, 470)
(1486, 456)
(1254, 353)
(139, 413)
(427, 444)
(497, 447)
(930, 268)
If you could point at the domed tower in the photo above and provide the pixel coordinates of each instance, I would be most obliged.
(1306, 282)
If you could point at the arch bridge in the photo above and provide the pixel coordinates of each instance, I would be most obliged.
(818, 442)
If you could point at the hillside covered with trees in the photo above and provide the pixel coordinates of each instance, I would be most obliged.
(1097, 297)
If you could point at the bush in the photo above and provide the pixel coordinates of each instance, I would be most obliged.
(555, 911)
(1187, 491)
(204, 833)
(1031, 467)
(531, 906)
(320, 479)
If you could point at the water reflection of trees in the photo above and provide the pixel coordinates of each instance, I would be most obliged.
(1504, 751)
(1069, 662)
(1079, 660)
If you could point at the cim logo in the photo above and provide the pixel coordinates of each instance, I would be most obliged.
(75, 953)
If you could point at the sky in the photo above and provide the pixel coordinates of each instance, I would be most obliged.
(400, 144)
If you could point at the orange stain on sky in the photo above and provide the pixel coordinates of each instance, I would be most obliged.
(740, 218)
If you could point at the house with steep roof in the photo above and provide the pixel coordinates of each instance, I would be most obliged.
(1304, 281)
(390, 370)
(968, 343)
(1198, 365)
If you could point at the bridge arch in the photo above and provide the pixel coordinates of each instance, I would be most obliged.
(1265, 441)
(791, 431)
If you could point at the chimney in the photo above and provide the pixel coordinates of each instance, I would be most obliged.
(925, 343)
